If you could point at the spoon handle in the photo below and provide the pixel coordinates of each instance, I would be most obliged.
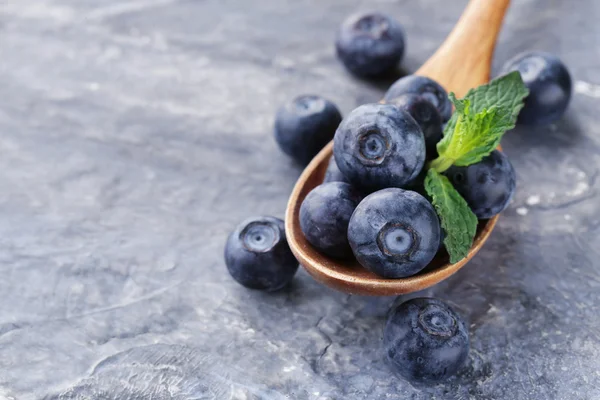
(464, 60)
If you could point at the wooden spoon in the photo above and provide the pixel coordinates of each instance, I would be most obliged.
(462, 62)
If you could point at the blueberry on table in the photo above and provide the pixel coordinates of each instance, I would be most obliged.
(333, 173)
(426, 115)
(394, 233)
(427, 88)
(378, 146)
(324, 217)
(488, 186)
(549, 84)
(305, 125)
(425, 340)
(370, 45)
(258, 256)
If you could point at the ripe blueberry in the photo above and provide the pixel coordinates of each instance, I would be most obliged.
(394, 233)
(426, 341)
(488, 186)
(333, 173)
(549, 84)
(324, 217)
(305, 125)
(370, 44)
(258, 256)
(426, 116)
(442, 237)
(378, 146)
(427, 88)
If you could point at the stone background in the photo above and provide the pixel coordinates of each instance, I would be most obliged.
(134, 135)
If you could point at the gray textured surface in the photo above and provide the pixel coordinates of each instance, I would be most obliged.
(136, 133)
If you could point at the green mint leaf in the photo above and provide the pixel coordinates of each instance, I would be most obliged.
(458, 221)
(480, 120)
(460, 106)
(506, 93)
(474, 137)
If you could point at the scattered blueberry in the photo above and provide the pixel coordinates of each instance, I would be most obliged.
(370, 44)
(394, 233)
(549, 84)
(258, 256)
(488, 186)
(305, 125)
(426, 115)
(324, 217)
(378, 146)
(333, 173)
(427, 88)
(426, 340)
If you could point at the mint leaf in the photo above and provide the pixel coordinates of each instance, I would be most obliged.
(506, 93)
(480, 120)
(460, 106)
(458, 221)
(474, 136)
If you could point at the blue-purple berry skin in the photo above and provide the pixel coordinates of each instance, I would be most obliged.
(394, 233)
(426, 115)
(333, 173)
(442, 237)
(425, 340)
(370, 45)
(378, 146)
(305, 125)
(257, 254)
(549, 83)
(427, 88)
(324, 217)
(488, 186)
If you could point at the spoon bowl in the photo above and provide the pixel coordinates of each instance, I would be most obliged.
(348, 275)
(462, 62)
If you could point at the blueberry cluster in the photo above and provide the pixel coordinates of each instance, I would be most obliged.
(371, 45)
(380, 151)
(372, 205)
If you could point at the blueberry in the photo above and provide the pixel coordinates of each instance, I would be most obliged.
(258, 256)
(442, 237)
(305, 125)
(324, 217)
(427, 88)
(426, 115)
(549, 84)
(426, 341)
(378, 146)
(394, 233)
(371, 44)
(333, 173)
(487, 186)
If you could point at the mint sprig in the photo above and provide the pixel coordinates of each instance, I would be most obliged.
(480, 120)
(458, 221)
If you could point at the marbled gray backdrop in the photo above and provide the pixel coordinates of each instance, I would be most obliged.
(134, 134)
